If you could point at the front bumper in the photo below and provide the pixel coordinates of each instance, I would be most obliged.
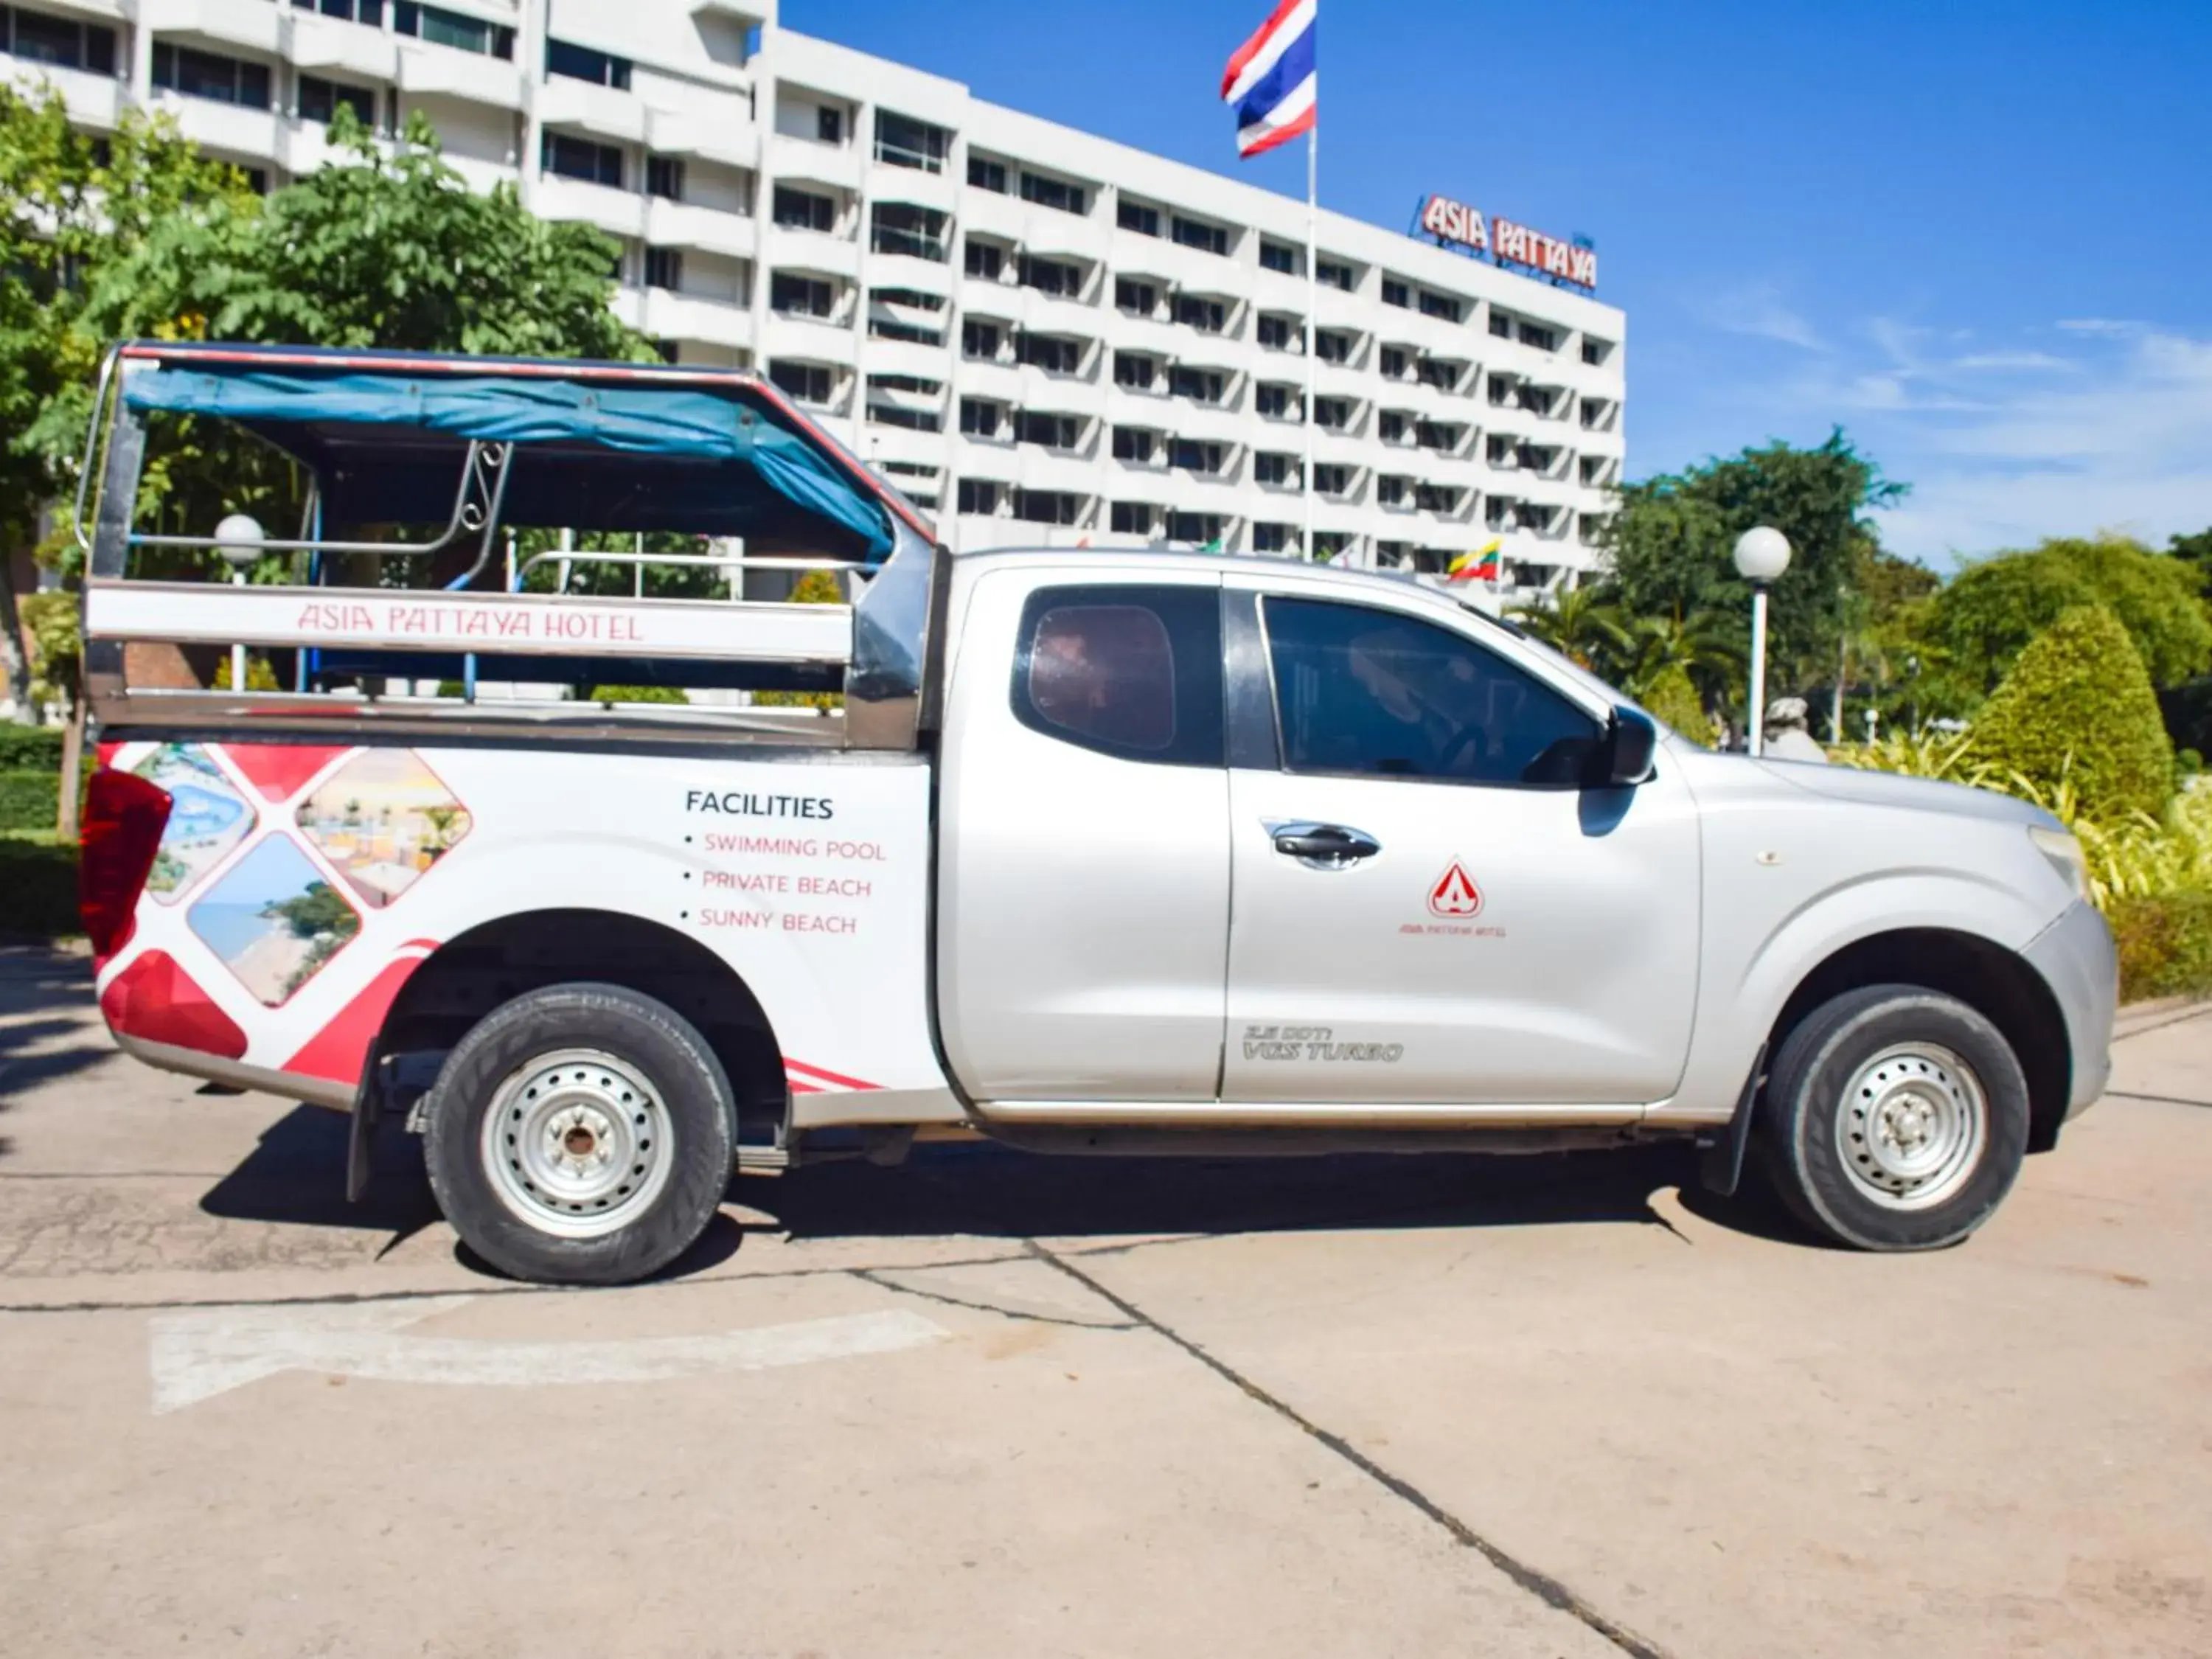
(2074, 956)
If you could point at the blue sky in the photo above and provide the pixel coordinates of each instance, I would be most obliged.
(1976, 235)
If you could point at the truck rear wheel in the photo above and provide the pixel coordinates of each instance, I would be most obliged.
(1895, 1118)
(581, 1134)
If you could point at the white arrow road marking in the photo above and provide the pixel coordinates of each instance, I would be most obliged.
(204, 1352)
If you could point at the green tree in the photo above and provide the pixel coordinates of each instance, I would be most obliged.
(1986, 615)
(2078, 705)
(68, 208)
(1671, 542)
(815, 587)
(1672, 697)
(2194, 550)
(1583, 624)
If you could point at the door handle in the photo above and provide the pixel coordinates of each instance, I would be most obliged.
(1323, 845)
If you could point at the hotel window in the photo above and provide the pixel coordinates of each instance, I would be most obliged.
(829, 124)
(1133, 443)
(1331, 479)
(1190, 455)
(1270, 538)
(1054, 193)
(1335, 413)
(1050, 276)
(1500, 450)
(1279, 403)
(1202, 385)
(1270, 468)
(1435, 372)
(663, 177)
(1436, 498)
(1278, 255)
(1201, 528)
(1135, 216)
(985, 174)
(580, 158)
(1434, 435)
(978, 495)
(1049, 352)
(906, 314)
(980, 341)
(801, 209)
(1439, 305)
(663, 267)
(209, 74)
(985, 259)
(799, 296)
(1501, 324)
(1390, 490)
(1336, 274)
(320, 100)
(1390, 426)
(370, 12)
(1329, 543)
(916, 232)
(1542, 338)
(903, 141)
(1135, 370)
(1396, 293)
(450, 28)
(1596, 351)
(1393, 364)
(1047, 507)
(807, 383)
(892, 414)
(1279, 333)
(1206, 316)
(1194, 233)
(1136, 298)
(979, 418)
(63, 42)
(1048, 431)
(1333, 345)
(1134, 517)
(584, 63)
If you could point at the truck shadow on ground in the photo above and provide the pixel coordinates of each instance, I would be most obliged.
(295, 1177)
(995, 1192)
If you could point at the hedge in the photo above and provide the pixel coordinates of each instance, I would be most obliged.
(30, 748)
(28, 800)
(2165, 943)
(38, 886)
(2078, 704)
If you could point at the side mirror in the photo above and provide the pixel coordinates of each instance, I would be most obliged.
(1631, 739)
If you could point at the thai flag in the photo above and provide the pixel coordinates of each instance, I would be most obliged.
(1272, 80)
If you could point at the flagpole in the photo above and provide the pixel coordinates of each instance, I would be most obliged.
(1313, 313)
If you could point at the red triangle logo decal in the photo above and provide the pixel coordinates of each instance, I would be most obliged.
(1455, 894)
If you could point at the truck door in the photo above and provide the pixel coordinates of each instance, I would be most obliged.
(1083, 862)
(1428, 909)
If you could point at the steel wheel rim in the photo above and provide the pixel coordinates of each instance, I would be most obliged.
(1914, 1123)
(577, 1143)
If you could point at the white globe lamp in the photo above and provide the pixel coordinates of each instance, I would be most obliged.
(239, 539)
(1762, 553)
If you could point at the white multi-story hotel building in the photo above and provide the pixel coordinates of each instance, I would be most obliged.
(1043, 336)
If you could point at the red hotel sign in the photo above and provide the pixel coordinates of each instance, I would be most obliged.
(1508, 243)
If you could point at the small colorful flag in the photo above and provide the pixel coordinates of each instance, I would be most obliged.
(1272, 80)
(1479, 566)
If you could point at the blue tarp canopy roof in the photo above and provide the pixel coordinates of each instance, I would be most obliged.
(605, 447)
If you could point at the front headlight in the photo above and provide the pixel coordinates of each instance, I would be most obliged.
(2064, 852)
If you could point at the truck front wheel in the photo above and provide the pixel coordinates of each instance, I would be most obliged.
(581, 1134)
(1895, 1118)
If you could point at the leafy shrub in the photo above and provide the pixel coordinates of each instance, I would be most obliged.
(2078, 705)
(28, 800)
(29, 748)
(637, 694)
(815, 587)
(38, 886)
(2166, 945)
(1673, 697)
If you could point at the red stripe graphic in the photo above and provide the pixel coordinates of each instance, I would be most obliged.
(836, 1078)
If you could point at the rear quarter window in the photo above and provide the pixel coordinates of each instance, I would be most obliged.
(1132, 672)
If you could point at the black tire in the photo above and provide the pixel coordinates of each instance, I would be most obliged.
(683, 1097)
(1811, 1141)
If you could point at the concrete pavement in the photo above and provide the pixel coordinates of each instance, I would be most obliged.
(1533, 1406)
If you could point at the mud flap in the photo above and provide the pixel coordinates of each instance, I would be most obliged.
(361, 1136)
(1720, 1161)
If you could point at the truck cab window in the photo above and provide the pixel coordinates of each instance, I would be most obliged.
(1132, 672)
(1358, 690)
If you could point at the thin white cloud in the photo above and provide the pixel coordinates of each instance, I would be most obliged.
(1761, 311)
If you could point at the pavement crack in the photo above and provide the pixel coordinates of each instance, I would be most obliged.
(875, 1276)
(2156, 1100)
(1538, 1584)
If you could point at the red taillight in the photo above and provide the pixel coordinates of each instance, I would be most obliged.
(124, 817)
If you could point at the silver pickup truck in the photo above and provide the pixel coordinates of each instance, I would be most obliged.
(1106, 851)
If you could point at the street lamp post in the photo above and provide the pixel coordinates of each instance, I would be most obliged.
(239, 538)
(1761, 556)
